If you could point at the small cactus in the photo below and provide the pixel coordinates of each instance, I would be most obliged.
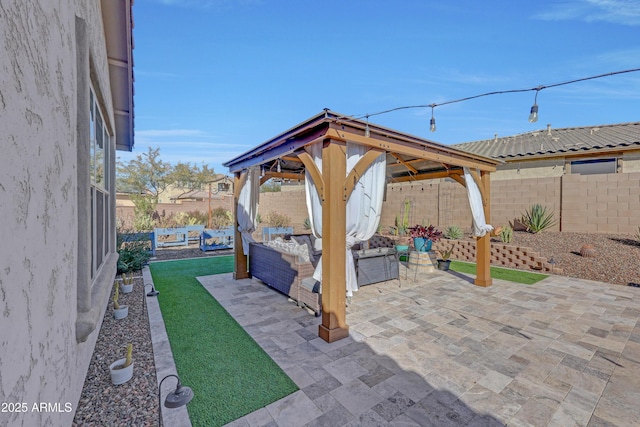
(128, 359)
(115, 296)
(506, 234)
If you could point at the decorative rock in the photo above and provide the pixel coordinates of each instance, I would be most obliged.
(588, 251)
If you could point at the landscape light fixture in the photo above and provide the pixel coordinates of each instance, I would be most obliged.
(432, 124)
(152, 292)
(533, 115)
(180, 397)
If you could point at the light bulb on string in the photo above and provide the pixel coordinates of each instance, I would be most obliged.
(367, 133)
(432, 122)
(533, 115)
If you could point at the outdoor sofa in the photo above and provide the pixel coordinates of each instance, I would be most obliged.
(292, 274)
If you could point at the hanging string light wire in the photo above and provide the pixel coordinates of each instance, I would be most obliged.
(499, 92)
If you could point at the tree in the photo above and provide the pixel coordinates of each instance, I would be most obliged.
(192, 177)
(146, 174)
(146, 177)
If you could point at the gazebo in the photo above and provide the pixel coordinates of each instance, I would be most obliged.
(323, 140)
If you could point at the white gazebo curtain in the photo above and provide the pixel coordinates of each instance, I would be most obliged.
(248, 207)
(363, 207)
(480, 226)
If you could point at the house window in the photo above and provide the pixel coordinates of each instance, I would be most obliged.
(593, 166)
(100, 163)
(223, 186)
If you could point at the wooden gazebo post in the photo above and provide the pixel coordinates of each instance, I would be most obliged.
(483, 244)
(240, 259)
(334, 247)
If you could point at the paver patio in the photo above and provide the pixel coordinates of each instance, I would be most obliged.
(441, 351)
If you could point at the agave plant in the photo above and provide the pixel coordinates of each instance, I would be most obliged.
(453, 232)
(537, 218)
(637, 235)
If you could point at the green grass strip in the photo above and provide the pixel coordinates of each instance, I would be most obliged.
(517, 276)
(230, 374)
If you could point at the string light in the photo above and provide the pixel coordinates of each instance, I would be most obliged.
(432, 124)
(533, 116)
(367, 133)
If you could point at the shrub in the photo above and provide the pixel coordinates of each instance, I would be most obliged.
(221, 218)
(453, 232)
(537, 218)
(637, 235)
(430, 232)
(506, 234)
(133, 250)
(275, 219)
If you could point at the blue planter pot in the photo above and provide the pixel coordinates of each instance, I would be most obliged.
(427, 246)
(421, 244)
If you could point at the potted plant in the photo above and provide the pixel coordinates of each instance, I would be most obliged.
(444, 262)
(423, 237)
(119, 311)
(122, 369)
(127, 283)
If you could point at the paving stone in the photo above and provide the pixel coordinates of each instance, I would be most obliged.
(356, 397)
(452, 354)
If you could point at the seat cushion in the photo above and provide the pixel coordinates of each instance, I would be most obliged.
(304, 239)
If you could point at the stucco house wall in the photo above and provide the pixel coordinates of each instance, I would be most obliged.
(50, 306)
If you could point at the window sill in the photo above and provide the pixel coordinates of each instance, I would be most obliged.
(87, 321)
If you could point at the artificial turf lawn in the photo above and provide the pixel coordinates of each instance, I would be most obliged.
(228, 372)
(517, 276)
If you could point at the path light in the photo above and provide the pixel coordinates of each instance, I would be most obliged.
(152, 292)
(180, 397)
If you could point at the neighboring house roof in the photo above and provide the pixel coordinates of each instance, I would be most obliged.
(554, 142)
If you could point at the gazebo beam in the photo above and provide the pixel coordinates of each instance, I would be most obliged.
(316, 176)
(409, 148)
(358, 170)
(240, 270)
(483, 244)
(282, 175)
(334, 251)
(405, 163)
(429, 175)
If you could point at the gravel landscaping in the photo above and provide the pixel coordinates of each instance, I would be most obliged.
(617, 257)
(134, 403)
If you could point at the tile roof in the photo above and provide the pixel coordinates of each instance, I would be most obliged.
(558, 141)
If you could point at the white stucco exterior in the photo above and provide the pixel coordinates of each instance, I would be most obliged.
(46, 338)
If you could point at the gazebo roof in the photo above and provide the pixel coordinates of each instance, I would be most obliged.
(408, 157)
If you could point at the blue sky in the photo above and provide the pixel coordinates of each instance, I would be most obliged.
(214, 78)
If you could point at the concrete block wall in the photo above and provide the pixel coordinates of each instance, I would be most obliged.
(511, 198)
(607, 203)
(510, 256)
(291, 203)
